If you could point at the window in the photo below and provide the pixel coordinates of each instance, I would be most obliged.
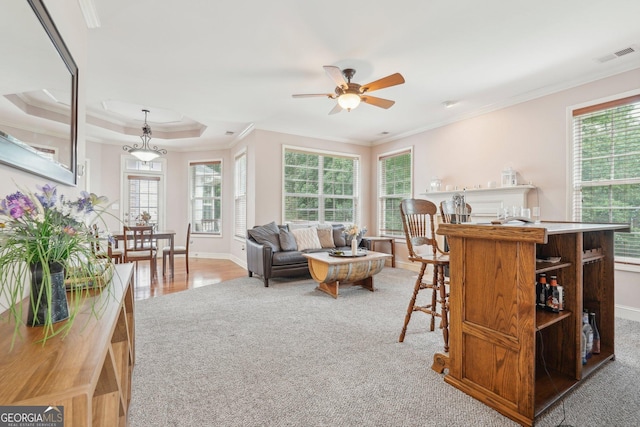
(240, 195)
(143, 197)
(143, 191)
(394, 184)
(606, 172)
(206, 196)
(320, 187)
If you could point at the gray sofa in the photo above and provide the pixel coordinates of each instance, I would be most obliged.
(272, 250)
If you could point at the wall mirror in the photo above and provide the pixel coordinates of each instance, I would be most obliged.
(38, 94)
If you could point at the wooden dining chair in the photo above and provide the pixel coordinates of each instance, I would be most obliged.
(114, 254)
(418, 221)
(177, 250)
(139, 245)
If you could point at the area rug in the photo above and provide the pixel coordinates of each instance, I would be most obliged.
(239, 354)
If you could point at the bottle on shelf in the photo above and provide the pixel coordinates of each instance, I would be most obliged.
(552, 296)
(583, 348)
(558, 303)
(596, 333)
(588, 332)
(541, 294)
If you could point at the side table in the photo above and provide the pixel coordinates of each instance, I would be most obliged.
(372, 243)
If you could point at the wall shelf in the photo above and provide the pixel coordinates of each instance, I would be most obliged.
(485, 202)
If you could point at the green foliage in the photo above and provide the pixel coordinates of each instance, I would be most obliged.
(609, 144)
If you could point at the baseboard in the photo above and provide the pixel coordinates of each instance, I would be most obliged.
(626, 312)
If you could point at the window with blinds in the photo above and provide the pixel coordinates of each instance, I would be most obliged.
(394, 184)
(606, 170)
(144, 197)
(240, 195)
(205, 183)
(320, 187)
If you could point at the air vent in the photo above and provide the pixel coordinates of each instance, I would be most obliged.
(615, 55)
(625, 51)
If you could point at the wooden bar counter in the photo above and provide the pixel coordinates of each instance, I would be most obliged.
(498, 340)
(88, 372)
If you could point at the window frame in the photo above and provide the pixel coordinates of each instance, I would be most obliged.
(382, 198)
(357, 214)
(240, 196)
(219, 199)
(577, 184)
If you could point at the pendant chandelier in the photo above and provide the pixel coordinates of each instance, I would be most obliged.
(145, 152)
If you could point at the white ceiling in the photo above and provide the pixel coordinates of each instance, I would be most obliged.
(233, 65)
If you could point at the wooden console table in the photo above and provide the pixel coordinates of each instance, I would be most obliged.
(498, 339)
(88, 372)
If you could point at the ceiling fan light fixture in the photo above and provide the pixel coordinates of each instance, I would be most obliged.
(349, 101)
(145, 152)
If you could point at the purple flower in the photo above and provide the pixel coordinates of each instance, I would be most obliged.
(17, 205)
(49, 195)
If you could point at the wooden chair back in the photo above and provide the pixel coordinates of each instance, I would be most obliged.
(139, 237)
(418, 221)
(449, 214)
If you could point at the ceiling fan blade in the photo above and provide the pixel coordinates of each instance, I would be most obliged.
(314, 95)
(378, 102)
(392, 80)
(336, 75)
(336, 109)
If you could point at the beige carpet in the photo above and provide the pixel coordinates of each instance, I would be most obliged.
(239, 354)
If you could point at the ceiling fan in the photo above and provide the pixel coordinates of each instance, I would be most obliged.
(349, 94)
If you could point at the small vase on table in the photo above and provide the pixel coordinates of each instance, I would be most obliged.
(354, 246)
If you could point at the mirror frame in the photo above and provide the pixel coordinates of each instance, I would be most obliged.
(19, 157)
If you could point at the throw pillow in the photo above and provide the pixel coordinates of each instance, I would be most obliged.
(307, 238)
(325, 235)
(338, 236)
(268, 234)
(287, 240)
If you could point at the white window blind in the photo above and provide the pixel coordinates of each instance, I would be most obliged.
(394, 184)
(240, 195)
(143, 197)
(606, 170)
(320, 187)
(206, 197)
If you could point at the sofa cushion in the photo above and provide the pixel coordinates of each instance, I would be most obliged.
(288, 258)
(307, 238)
(268, 234)
(287, 240)
(338, 235)
(325, 235)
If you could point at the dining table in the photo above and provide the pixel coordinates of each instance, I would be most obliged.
(157, 235)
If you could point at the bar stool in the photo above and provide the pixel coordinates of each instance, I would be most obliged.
(418, 221)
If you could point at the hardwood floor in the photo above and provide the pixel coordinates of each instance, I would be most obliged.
(202, 272)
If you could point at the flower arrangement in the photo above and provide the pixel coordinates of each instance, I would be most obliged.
(143, 218)
(41, 231)
(354, 230)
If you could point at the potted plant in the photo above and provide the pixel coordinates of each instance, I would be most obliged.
(41, 237)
